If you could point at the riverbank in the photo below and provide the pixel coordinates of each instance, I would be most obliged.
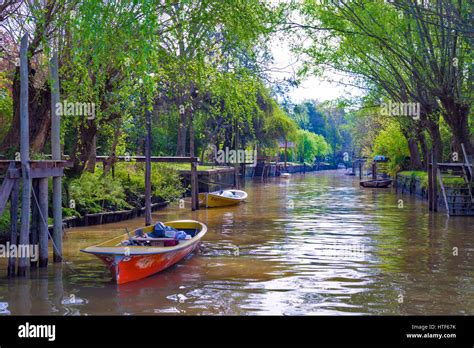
(209, 179)
(454, 195)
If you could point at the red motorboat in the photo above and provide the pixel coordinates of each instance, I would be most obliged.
(138, 255)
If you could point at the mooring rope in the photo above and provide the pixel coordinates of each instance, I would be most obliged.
(47, 229)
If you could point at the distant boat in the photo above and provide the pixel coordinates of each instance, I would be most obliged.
(222, 198)
(285, 175)
(380, 183)
(137, 256)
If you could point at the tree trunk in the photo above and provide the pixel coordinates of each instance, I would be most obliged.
(182, 130)
(424, 148)
(410, 131)
(83, 149)
(461, 136)
(112, 159)
(457, 118)
(91, 159)
(39, 110)
(415, 158)
(435, 135)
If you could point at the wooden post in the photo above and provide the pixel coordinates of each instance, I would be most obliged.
(194, 180)
(25, 156)
(374, 170)
(196, 185)
(148, 219)
(194, 196)
(56, 152)
(434, 178)
(360, 169)
(237, 176)
(236, 164)
(430, 185)
(13, 225)
(43, 221)
(35, 220)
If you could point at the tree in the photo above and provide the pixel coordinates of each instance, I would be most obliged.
(399, 54)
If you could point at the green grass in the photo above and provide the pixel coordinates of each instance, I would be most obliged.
(423, 177)
(187, 166)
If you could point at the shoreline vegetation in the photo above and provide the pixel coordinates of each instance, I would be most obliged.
(94, 199)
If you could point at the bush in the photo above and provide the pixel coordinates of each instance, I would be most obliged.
(311, 145)
(5, 223)
(93, 193)
(6, 111)
(390, 142)
(165, 181)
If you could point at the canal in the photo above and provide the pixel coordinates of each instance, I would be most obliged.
(315, 244)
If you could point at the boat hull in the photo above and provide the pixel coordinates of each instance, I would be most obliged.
(128, 263)
(376, 183)
(125, 269)
(213, 200)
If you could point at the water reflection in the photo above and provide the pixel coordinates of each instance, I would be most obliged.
(314, 244)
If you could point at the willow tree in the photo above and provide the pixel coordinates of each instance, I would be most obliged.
(109, 56)
(391, 50)
(281, 127)
(206, 39)
(41, 21)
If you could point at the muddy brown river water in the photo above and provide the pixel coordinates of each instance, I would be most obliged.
(315, 244)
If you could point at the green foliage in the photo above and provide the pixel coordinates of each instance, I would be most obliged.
(5, 223)
(311, 146)
(390, 142)
(165, 182)
(93, 193)
(423, 178)
(6, 111)
(416, 175)
(279, 126)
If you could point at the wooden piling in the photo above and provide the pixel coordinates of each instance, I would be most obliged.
(430, 186)
(13, 225)
(43, 221)
(374, 170)
(194, 179)
(434, 177)
(25, 156)
(194, 195)
(56, 155)
(237, 176)
(148, 219)
(35, 220)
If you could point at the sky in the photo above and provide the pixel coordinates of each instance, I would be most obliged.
(285, 65)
